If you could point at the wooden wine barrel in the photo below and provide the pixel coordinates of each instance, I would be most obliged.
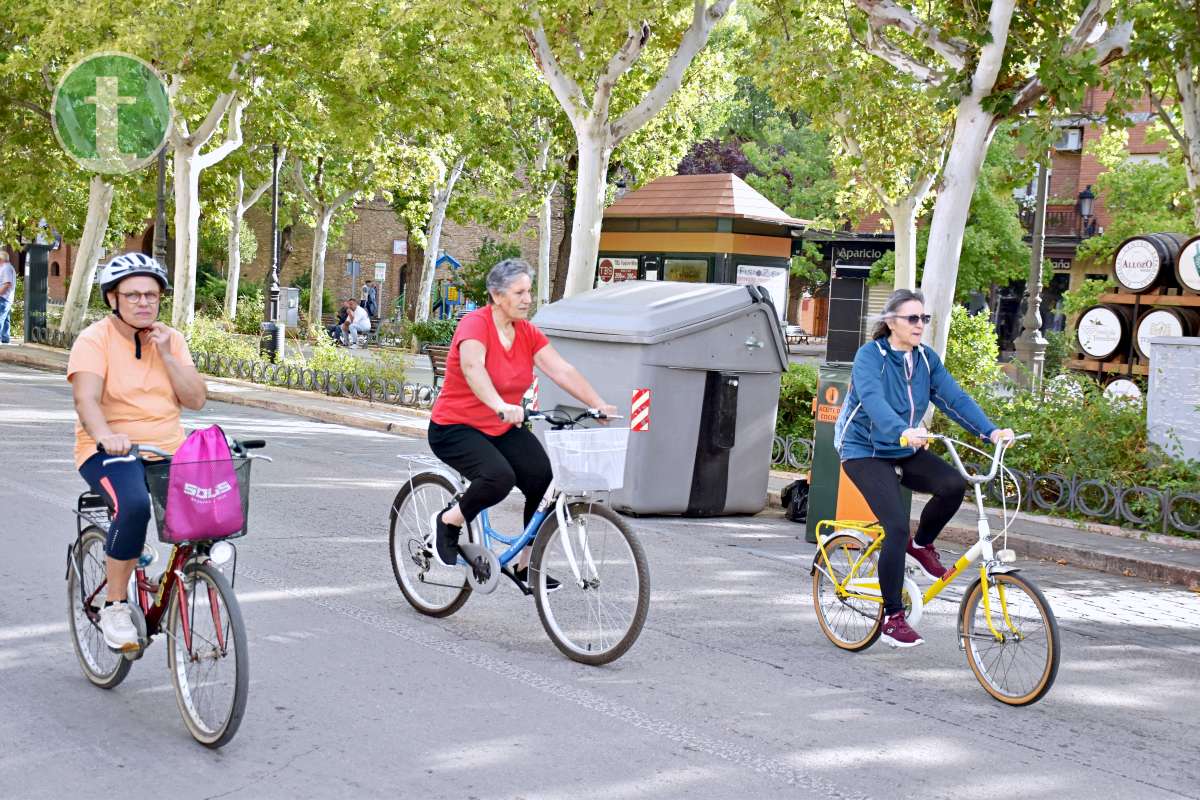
(1167, 321)
(1122, 388)
(1104, 331)
(1187, 266)
(1147, 262)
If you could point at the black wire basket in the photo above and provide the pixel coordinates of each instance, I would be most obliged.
(158, 479)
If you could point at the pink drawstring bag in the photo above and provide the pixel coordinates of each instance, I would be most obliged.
(203, 497)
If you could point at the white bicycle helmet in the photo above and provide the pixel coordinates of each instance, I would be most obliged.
(127, 265)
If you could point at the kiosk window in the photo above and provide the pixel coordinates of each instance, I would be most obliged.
(688, 270)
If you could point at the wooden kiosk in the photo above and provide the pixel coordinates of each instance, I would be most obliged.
(699, 229)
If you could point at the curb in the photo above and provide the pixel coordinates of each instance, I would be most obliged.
(1033, 548)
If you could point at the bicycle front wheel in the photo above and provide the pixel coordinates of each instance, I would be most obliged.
(598, 610)
(86, 576)
(208, 656)
(851, 623)
(429, 587)
(1011, 640)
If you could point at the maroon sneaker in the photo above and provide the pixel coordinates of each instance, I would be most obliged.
(897, 632)
(927, 559)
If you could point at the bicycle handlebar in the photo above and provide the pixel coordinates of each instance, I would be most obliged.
(562, 418)
(1000, 446)
(239, 448)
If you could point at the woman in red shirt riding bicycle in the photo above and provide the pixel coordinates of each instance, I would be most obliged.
(477, 426)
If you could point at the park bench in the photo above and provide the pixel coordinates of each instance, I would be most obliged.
(364, 339)
(794, 334)
(437, 361)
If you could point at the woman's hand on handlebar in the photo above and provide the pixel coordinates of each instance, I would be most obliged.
(115, 444)
(1002, 434)
(513, 415)
(915, 438)
(608, 410)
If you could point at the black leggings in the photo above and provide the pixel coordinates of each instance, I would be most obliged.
(877, 480)
(494, 465)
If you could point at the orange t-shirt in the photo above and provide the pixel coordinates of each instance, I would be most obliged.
(138, 399)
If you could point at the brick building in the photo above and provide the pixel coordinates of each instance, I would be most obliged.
(378, 240)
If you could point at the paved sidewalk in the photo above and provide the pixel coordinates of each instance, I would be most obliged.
(1104, 548)
(1117, 551)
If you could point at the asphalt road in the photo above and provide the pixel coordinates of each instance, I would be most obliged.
(732, 690)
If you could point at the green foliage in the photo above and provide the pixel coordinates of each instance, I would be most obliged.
(434, 331)
(491, 253)
(1080, 433)
(16, 314)
(1086, 295)
(1141, 197)
(797, 388)
(250, 307)
(385, 364)
(1059, 348)
(994, 250)
(972, 351)
(216, 337)
(793, 168)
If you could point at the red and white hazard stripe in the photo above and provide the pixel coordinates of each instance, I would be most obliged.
(533, 395)
(639, 410)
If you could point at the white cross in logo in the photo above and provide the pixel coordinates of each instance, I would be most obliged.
(107, 99)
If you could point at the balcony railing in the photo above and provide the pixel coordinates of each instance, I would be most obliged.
(1061, 221)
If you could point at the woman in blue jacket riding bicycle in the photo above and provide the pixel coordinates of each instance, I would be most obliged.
(894, 379)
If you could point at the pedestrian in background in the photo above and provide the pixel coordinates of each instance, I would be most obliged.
(8, 293)
(335, 330)
(370, 298)
(356, 322)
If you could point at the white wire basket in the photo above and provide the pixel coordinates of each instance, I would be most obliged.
(589, 459)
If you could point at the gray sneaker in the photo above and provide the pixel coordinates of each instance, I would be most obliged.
(116, 624)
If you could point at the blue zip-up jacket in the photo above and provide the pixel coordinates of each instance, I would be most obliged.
(886, 399)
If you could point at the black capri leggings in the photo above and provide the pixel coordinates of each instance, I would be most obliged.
(494, 465)
(877, 480)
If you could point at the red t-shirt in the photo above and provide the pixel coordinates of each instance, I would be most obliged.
(511, 372)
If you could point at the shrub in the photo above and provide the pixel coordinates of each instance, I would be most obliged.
(797, 388)
(387, 364)
(215, 337)
(490, 254)
(434, 331)
(972, 351)
(1059, 347)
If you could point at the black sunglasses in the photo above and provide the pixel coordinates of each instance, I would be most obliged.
(913, 319)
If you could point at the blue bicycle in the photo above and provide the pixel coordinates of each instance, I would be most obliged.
(587, 570)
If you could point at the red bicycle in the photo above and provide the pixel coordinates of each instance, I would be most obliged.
(191, 602)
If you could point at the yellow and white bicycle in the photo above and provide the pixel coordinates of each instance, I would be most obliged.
(1005, 625)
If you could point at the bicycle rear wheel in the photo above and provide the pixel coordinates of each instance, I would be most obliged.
(596, 619)
(102, 666)
(1015, 657)
(851, 623)
(210, 667)
(429, 587)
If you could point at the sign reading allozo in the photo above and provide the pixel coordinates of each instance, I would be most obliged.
(1136, 264)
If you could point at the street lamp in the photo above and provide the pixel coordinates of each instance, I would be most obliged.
(271, 343)
(1031, 345)
(1087, 201)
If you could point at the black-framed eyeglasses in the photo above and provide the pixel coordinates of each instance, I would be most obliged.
(913, 319)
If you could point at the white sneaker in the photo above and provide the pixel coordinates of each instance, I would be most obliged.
(116, 624)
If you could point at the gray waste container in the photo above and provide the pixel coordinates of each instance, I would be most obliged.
(710, 356)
